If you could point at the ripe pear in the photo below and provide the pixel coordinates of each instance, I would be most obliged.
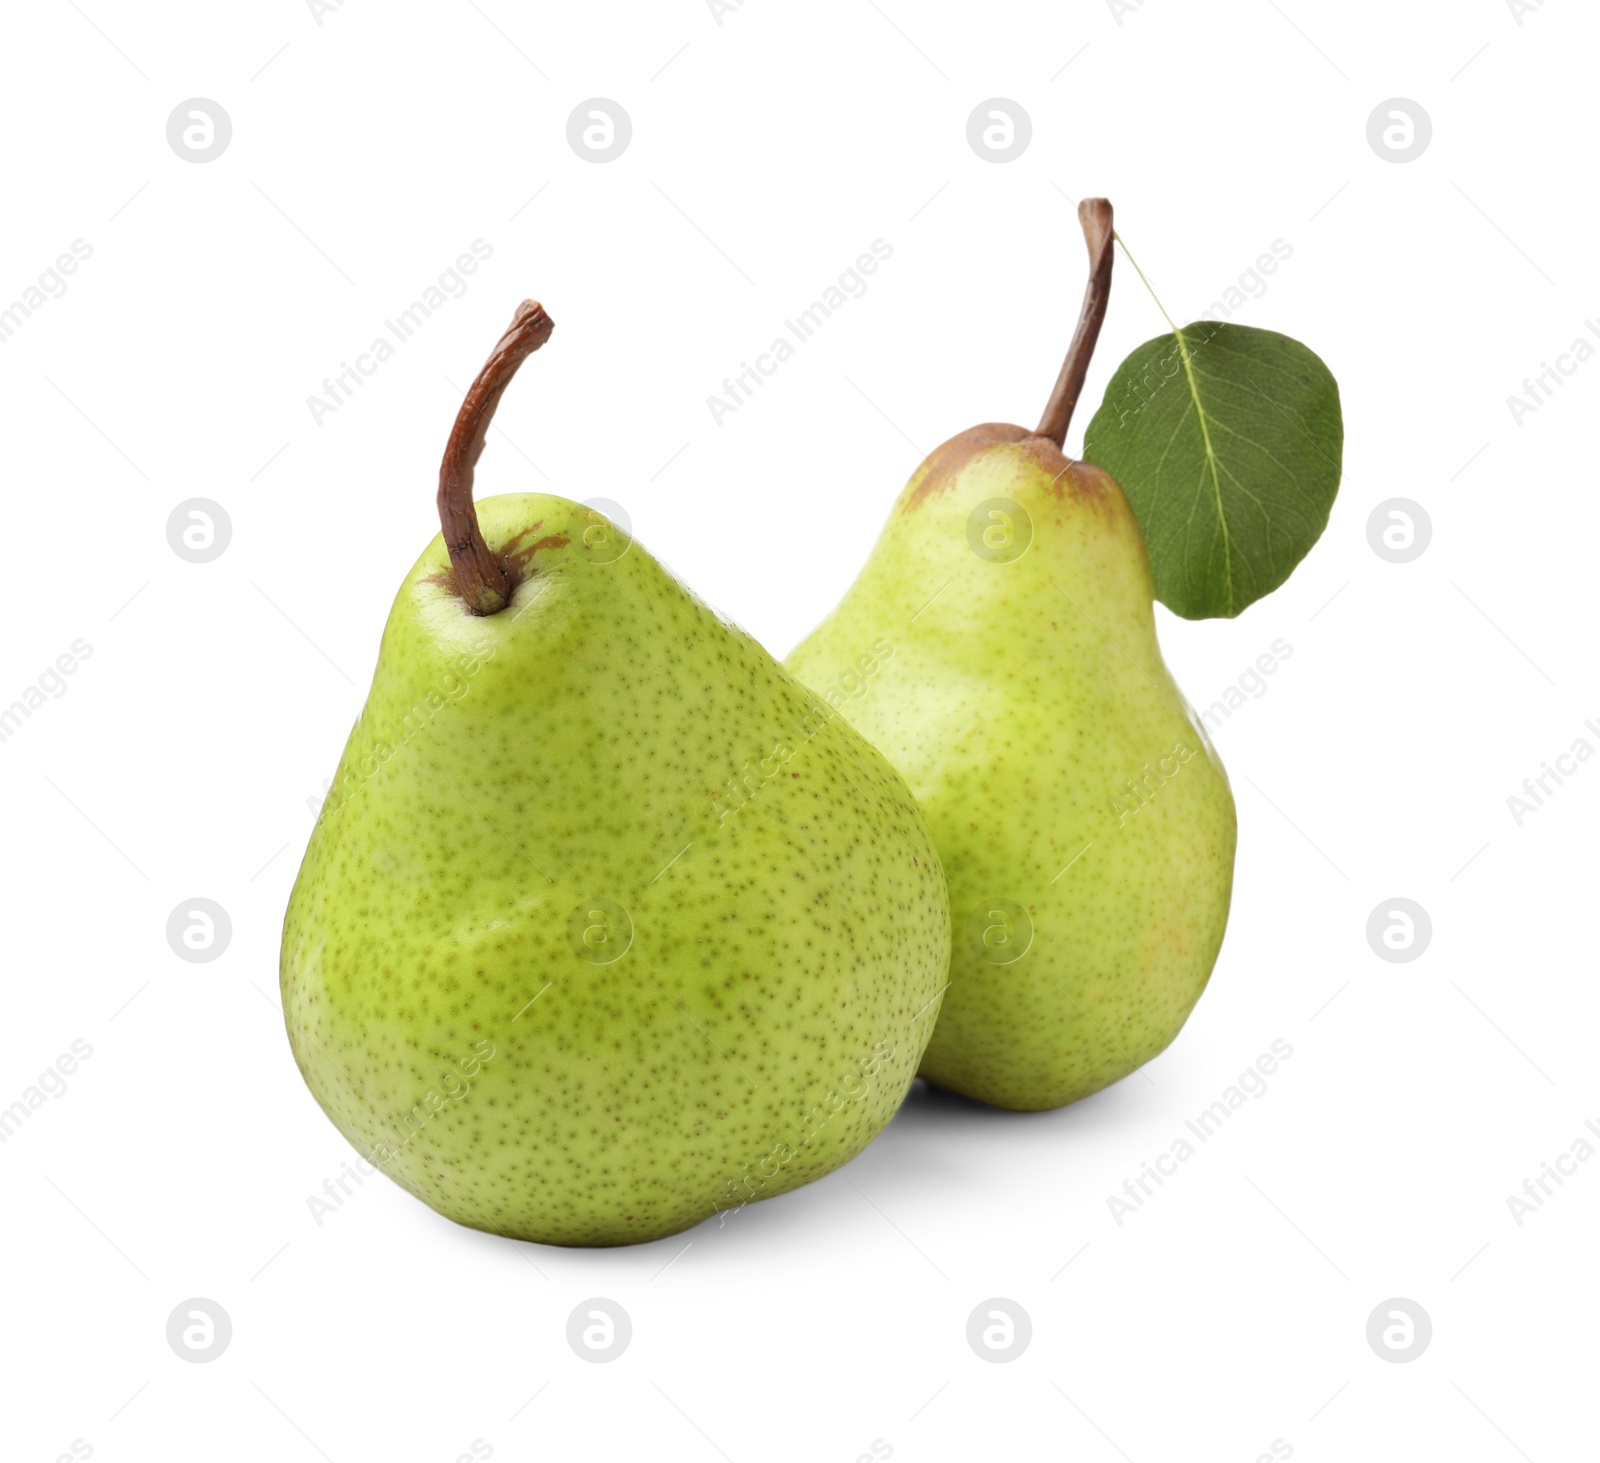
(999, 647)
(607, 924)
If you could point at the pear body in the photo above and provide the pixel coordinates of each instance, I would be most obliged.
(607, 925)
(1000, 648)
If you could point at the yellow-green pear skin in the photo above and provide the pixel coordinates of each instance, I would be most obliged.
(999, 647)
(607, 925)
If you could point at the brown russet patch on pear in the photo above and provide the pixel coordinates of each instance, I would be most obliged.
(1089, 481)
(515, 557)
(446, 580)
(508, 549)
(1082, 481)
(945, 463)
(1020, 723)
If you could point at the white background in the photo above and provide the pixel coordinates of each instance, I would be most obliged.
(768, 151)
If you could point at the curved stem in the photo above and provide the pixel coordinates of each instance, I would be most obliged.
(482, 579)
(1094, 214)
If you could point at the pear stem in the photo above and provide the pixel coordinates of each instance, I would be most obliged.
(1094, 214)
(483, 580)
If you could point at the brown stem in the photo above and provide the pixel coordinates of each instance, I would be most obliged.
(484, 581)
(1095, 216)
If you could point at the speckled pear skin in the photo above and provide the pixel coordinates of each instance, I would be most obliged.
(1028, 706)
(446, 978)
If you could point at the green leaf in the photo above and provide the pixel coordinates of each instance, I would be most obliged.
(1227, 441)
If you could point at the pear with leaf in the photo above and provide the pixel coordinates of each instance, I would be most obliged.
(1085, 823)
(607, 925)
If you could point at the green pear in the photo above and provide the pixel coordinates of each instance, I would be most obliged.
(607, 924)
(999, 647)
